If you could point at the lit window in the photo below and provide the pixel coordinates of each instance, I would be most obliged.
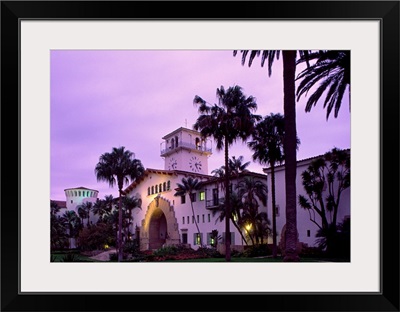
(197, 238)
(202, 195)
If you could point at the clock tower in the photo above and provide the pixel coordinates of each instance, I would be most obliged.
(184, 149)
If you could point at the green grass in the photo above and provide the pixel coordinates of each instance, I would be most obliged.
(58, 257)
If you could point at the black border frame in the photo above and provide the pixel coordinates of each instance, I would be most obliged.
(385, 11)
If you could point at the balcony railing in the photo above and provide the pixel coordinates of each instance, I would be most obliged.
(213, 204)
(186, 145)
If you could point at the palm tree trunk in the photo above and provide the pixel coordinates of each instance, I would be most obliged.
(227, 206)
(274, 247)
(120, 227)
(290, 144)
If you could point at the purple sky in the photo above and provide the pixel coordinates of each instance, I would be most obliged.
(132, 98)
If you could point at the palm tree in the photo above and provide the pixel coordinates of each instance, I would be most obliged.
(237, 208)
(289, 109)
(54, 207)
(237, 166)
(189, 186)
(332, 70)
(72, 221)
(118, 168)
(99, 209)
(229, 120)
(267, 145)
(130, 203)
(84, 211)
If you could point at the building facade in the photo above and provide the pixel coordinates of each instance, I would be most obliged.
(165, 219)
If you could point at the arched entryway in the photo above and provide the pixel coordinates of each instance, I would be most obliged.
(159, 227)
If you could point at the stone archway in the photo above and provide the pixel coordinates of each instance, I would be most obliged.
(159, 227)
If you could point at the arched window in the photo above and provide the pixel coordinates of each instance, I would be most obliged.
(172, 143)
(168, 185)
(148, 190)
(156, 188)
(198, 145)
(160, 187)
(164, 186)
(75, 193)
(152, 189)
(176, 141)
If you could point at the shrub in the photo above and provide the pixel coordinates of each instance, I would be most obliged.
(96, 236)
(259, 250)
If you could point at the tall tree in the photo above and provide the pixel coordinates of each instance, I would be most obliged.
(227, 121)
(237, 165)
(84, 211)
(324, 182)
(72, 222)
(332, 70)
(119, 167)
(289, 109)
(189, 186)
(267, 145)
(130, 203)
(252, 192)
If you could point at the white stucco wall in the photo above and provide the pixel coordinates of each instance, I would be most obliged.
(183, 212)
(303, 220)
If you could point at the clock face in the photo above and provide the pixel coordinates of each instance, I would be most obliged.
(195, 164)
(173, 164)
